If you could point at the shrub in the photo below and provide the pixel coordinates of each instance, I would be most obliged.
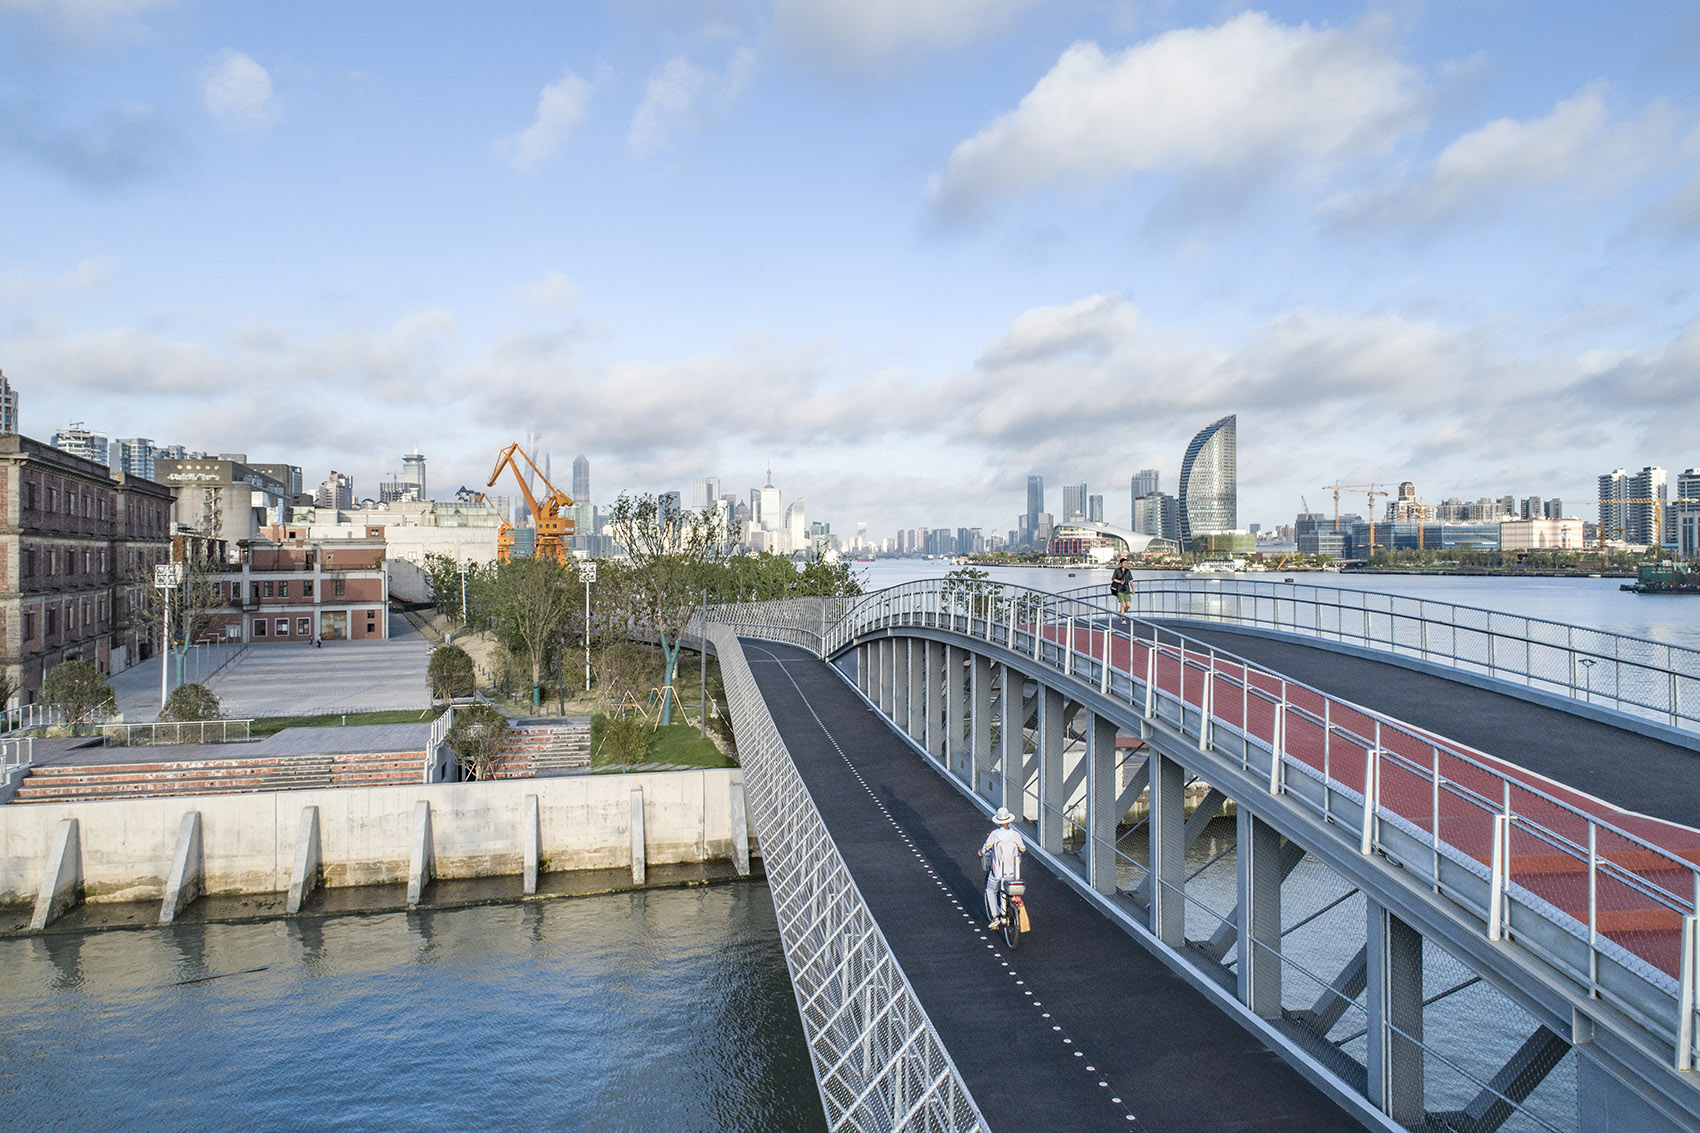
(77, 691)
(450, 673)
(191, 702)
(625, 739)
(475, 736)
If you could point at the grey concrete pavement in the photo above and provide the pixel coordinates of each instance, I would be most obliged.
(137, 688)
(342, 676)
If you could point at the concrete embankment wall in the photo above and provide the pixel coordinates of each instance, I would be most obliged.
(366, 835)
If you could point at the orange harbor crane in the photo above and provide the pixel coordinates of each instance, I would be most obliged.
(552, 526)
(504, 532)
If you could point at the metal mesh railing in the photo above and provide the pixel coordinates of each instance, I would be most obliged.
(879, 1062)
(1652, 680)
(1593, 892)
(152, 732)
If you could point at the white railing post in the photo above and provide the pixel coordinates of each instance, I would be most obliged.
(1104, 668)
(1206, 702)
(1685, 1000)
(1150, 676)
(1501, 867)
(1277, 745)
(1372, 792)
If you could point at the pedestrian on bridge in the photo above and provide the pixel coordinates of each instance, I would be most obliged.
(1121, 584)
(1002, 853)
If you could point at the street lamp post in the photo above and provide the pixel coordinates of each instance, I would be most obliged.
(1588, 664)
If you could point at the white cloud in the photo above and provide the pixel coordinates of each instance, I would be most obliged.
(552, 295)
(90, 19)
(560, 107)
(684, 97)
(88, 275)
(1580, 146)
(238, 92)
(859, 33)
(1248, 93)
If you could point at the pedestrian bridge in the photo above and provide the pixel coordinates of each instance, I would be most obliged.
(1276, 886)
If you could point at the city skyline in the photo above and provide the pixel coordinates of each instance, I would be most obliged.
(1452, 248)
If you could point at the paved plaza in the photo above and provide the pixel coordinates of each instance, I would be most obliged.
(298, 680)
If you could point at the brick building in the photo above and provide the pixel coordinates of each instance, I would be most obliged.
(290, 588)
(72, 541)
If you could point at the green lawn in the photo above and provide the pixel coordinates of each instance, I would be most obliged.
(271, 725)
(677, 744)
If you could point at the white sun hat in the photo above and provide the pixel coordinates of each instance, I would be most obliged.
(1003, 817)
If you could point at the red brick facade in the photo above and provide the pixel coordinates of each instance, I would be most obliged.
(293, 590)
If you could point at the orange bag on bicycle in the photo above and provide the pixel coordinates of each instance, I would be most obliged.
(1026, 926)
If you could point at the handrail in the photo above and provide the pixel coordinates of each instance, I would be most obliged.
(1652, 680)
(1458, 802)
(150, 731)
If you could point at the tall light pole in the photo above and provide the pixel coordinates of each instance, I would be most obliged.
(588, 569)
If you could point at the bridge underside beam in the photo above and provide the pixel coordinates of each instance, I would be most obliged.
(1291, 854)
(1208, 808)
(1510, 1087)
(1394, 1054)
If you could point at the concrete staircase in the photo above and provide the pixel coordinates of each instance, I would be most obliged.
(540, 748)
(57, 783)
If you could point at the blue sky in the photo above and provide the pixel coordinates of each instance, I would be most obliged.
(906, 250)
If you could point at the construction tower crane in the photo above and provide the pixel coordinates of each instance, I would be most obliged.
(552, 526)
(1372, 492)
(504, 530)
(1659, 506)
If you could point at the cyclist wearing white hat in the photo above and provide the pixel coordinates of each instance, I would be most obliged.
(1003, 848)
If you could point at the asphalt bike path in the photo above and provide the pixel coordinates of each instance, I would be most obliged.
(1081, 1027)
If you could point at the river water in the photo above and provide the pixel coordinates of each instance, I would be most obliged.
(666, 1009)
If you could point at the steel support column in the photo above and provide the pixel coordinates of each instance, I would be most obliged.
(957, 755)
(1101, 812)
(1052, 736)
(917, 715)
(1394, 1054)
(1168, 850)
(981, 757)
(1258, 848)
(1012, 764)
(899, 711)
(932, 735)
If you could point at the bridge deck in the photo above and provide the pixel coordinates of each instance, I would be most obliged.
(1081, 1027)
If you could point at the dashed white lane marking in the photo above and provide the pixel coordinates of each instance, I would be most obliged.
(910, 845)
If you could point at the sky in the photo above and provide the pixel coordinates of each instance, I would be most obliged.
(906, 251)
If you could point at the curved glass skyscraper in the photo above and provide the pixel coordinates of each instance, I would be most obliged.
(1209, 496)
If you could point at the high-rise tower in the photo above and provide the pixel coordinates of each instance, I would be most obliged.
(8, 406)
(1035, 505)
(581, 479)
(1209, 495)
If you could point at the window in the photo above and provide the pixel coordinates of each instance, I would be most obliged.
(283, 589)
(52, 621)
(29, 495)
(70, 617)
(283, 627)
(306, 588)
(29, 625)
(256, 590)
(268, 590)
(303, 626)
(52, 499)
(341, 588)
(28, 566)
(259, 627)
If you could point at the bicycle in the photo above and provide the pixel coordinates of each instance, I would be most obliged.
(1012, 910)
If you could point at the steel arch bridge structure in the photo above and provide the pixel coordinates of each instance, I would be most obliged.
(1432, 936)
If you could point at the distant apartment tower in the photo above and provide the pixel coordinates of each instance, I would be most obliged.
(1095, 509)
(133, 456)
(82, 442)
(337, 491)
(8, 406)
(1146, 482)
(581, 479)
(1074, 503)
(705, 493)
(1209, 493)
(1035, 508)
(289, 475)
(1628, 511)
(1685, 517)
(413, 472)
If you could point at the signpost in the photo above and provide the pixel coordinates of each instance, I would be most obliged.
(587, 568)
(166, 577)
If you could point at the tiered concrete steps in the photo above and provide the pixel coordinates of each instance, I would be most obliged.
(540, 748)
(144, 779)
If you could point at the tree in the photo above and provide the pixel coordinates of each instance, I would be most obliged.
(191, 702)
(194, 605)
(475, 737)
(671, 556)
(443, 576)
(531, 601)
(450, 673)
(77, 691)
